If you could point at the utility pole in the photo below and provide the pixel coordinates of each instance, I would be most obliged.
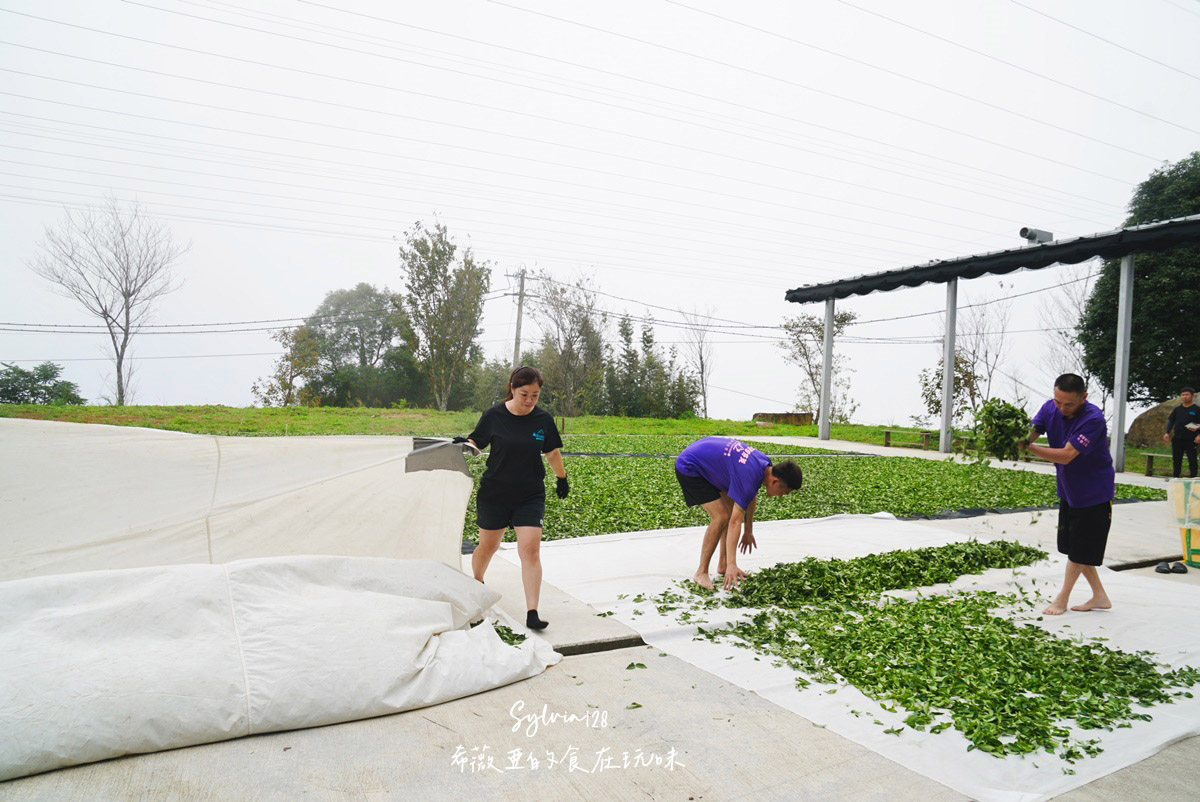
(516, 363)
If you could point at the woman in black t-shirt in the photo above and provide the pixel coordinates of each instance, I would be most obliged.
(512, 491)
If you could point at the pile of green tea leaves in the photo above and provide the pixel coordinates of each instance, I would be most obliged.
(948, 660)
(1009, 688)
(792, 584)
(631, 494)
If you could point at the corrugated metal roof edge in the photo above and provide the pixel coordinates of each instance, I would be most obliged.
(1119, 242)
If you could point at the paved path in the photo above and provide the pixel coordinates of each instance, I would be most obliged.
(1125, 477)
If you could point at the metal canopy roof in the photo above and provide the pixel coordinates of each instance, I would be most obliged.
(1148, 237)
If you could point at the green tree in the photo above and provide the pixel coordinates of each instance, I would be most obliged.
(359, 325)
(444, 302)
(301, 355)
(365, 359)
(644, 383)
(1166, 296)
(41, 385)
(967, 392)
(623, 374)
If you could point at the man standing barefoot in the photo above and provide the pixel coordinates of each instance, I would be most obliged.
(1079, 450)
(723, 476)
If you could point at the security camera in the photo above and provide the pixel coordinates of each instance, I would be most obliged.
(1036, 234)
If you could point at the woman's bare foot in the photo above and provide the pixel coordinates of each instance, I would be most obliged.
(701, 579)
(1094, 603)
(1056, 608)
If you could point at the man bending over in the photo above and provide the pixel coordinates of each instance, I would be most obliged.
(723, 476)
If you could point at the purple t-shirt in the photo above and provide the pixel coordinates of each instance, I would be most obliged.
(730, 465)
(1088, 479)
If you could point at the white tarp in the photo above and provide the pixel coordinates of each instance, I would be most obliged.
(77, 497)
(99, 664)
(1148, 614)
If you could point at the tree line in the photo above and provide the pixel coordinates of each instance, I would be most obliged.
(419, 347)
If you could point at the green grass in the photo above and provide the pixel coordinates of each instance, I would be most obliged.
(630, 494)
(359, 420)
(251, 421)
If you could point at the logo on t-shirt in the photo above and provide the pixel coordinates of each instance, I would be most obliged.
(539, 435)
(1083, 440)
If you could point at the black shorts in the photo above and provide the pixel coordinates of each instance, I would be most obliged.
(696, 489)
(493, 514)
(1083, 532)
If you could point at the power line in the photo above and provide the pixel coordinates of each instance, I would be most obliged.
(998, 60)
(1182, 8)
(1102, 39)
(386, 135)
(358, 317)
(814, 89)
(505, 187)
(521, 176)
(539, 117)
(646, 82)
(981, 303)
(736, 323)
(658, 225)
(507, 226)
(959, 95)
(639, 253)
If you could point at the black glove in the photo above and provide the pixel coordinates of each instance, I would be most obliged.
(563, 488)
(459, 440)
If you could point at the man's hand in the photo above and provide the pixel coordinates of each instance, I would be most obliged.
(1023, 444)
(733, 575)
(1166, 438)
(748, 543)
(562, 487)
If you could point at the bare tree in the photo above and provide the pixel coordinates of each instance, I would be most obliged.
(1060, 311)
(116, 263)
(983, 344)
(572, 348)
(698, 350)
(804, 347)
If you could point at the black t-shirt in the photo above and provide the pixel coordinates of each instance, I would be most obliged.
(1181, 416)
(514, 464)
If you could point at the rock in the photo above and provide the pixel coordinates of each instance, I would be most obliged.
(1147, 428)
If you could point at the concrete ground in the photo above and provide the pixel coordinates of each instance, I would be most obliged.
(729, 743)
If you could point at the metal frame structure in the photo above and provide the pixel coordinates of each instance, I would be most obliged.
(1121, 243)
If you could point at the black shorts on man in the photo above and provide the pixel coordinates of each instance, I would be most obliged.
(1083, 532)
(696, 489)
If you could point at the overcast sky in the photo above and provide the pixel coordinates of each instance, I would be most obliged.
(690, 154)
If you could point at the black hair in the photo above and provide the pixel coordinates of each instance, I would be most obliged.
(1187, 390)
(521, 377)
(1071, 383)
(790, 473)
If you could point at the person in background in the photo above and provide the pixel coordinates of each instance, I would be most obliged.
(723, 476)
(512, 491)
(1078, 448)
(1183, 433)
